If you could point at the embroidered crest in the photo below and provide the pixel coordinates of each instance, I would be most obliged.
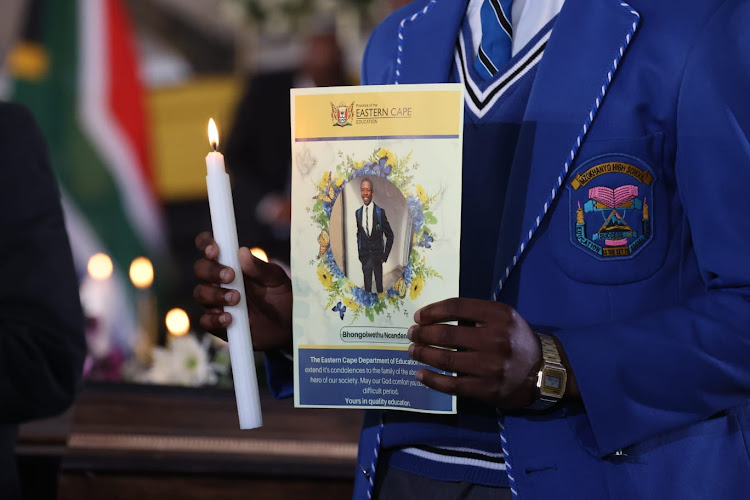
(610, 208)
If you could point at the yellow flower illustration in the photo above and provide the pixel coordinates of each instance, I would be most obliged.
(339, 181)
(387, 153)
(359, 164)
(325, 181)
(350, 304)
(421, 194)
(416, 288)
(325, 276)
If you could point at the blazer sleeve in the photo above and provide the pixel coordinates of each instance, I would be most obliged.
(675, 367)
(42, 345)
(280, 373)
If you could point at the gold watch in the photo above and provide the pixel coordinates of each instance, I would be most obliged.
(552, 377)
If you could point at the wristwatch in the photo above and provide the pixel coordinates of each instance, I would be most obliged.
(551, 378)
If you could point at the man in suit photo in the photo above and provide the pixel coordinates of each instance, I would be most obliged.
(372, 228)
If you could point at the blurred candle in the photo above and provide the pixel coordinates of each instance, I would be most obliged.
(142, 276)
(238, 333)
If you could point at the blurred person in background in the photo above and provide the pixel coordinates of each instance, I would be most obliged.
(258, 144)
(42, 346)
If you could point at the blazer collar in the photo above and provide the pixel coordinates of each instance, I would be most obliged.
(585, 50)
(426, 41)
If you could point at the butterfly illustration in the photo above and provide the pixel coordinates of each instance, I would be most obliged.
(328, 193)
(426, 240)
(324, 240)
(341, 308)
(381, 167)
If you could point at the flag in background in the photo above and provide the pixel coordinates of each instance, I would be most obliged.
(76, 69)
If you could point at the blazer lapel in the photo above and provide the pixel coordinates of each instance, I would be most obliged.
(427, 38)
(581, 58)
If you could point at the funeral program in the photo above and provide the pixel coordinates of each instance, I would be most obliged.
(376, 213)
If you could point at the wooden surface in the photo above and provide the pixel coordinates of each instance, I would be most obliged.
(144, 442)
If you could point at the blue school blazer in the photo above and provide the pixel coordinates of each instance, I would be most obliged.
(627, 235)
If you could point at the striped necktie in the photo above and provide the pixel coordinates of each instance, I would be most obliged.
(497, 33)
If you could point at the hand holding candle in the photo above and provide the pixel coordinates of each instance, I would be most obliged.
(238, 333)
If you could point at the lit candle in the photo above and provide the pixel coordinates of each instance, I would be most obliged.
(238, 333)
(142, 276)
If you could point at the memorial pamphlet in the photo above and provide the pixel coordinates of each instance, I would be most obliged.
(376, 229)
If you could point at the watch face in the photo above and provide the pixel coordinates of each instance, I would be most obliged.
(553, 382)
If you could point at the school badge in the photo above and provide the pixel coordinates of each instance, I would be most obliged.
(342, 114)
(611, 208)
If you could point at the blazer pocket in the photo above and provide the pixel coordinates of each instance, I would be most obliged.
(707, 459)
(610, 225)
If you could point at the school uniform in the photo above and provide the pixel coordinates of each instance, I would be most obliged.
(639, 110)
(616, 155)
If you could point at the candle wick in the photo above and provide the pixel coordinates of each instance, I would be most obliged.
(215, 146)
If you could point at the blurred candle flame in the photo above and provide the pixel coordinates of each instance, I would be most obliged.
(213, 134)
(177, 322)
(141, 272)
(100, 266)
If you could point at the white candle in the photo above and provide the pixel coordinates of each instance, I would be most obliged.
(238, 333)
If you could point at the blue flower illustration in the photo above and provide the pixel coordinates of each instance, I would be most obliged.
(415, 210)
(365, 298)
(381, 168)
(407, 273)
(331, 261)
(327, 208)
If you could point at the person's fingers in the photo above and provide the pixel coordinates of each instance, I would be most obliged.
(469, 387)
(262, 273)
(451, 336)
(462, 309)
(465, 362)
(216, 322)
(206, 244)
(211, 271)
(209, 295)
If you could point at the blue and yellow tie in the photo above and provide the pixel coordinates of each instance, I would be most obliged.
(497, 35)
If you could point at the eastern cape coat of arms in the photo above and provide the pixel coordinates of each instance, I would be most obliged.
(342, 114)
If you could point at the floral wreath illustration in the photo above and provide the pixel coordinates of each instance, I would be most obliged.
(345, 298)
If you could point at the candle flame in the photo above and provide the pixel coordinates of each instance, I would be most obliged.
(141, 272)
(100, 266)
(259, 253)
(213, 134)
(177, 322)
